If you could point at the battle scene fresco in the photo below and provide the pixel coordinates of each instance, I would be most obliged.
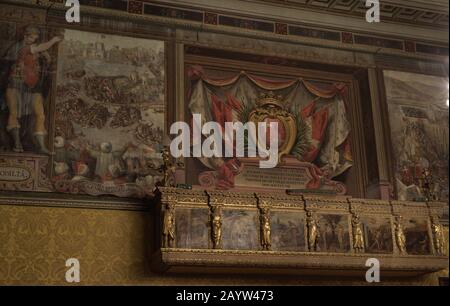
(420, 134)
(109, 116)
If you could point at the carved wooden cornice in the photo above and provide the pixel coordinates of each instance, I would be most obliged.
(280, 200)
(293, 263)
(71, 201)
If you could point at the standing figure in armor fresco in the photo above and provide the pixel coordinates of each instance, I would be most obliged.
(28, 60)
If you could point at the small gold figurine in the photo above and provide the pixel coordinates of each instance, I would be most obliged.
(426, 185)
(358, 236)
(265, 229)
(313, 231)
(216, 227)
(168, 168)
(438, 235)
(169, 227)
(400, 238)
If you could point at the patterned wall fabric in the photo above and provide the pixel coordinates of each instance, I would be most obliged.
(36, 242)
(111, 245)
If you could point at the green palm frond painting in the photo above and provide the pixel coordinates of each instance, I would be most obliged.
(303, 139)
(244, 114)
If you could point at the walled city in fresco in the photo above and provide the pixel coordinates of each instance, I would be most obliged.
(109, 119)
(91, 105)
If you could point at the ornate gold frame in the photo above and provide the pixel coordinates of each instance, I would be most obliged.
(359, 172)
(289, 262)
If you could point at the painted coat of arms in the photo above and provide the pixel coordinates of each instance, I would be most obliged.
(313, 130)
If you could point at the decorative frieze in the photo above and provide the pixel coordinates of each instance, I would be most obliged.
(196, 16)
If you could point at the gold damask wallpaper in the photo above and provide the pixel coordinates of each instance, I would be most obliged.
(111, 245)
(36, 242)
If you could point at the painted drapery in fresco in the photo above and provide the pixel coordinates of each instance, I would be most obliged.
(319, 110)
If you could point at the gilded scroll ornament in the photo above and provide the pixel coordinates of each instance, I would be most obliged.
(313, 231)
(400, 238)
(169, 226)
(265, 229)
(358, 236)
(216, 227)
(438, 236)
